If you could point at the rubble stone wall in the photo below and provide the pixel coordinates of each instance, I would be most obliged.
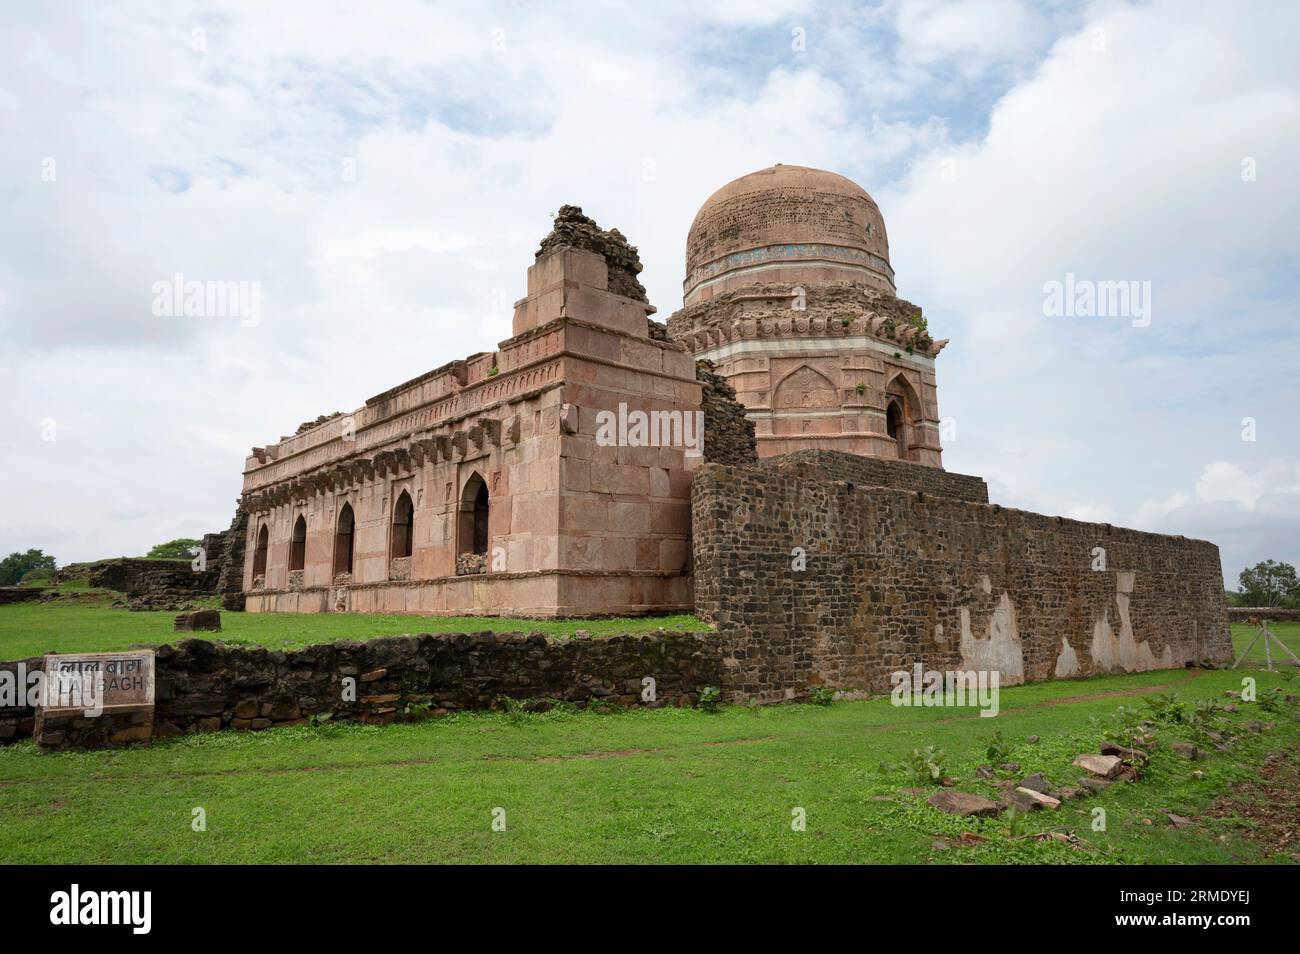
(154, 584)
(892, 577)
(201, 685)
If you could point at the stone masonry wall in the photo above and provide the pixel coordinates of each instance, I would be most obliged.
(878, 472)
(1244, 614)
(728, 433)
(897, 577)
(230, 561)
(202, 685)
(154, 584)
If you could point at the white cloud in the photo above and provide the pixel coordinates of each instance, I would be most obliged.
(228, 164)
(1119, 164)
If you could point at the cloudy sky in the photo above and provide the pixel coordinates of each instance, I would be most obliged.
(385, 171)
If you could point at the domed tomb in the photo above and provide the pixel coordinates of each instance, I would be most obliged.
(790, 293)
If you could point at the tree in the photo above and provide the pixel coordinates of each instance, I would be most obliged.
(179, 549)
(1269, 584)
(17, 565)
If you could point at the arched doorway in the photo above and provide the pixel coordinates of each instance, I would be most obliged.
(259, 553)
(894, 424)
(298, 544)
(403, 535)
(472, 529)
(344, 530)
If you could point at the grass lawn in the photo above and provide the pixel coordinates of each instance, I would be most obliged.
(1289, 633)
(667, 785)
(86, 624)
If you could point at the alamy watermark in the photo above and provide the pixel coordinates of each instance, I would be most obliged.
(65, 689)
(626, 428)
(976, 688)
(179, 298)
(1086, 298)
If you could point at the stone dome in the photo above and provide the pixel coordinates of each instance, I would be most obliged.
(786, 224)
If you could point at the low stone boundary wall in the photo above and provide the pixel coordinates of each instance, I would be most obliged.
(20, 594)
(202, 685)
(1244, 614)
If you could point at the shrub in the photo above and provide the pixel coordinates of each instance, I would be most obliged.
(926, 766)
(821, 695)
(999, 749)
(710, 699)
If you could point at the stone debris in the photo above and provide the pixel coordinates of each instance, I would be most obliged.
(1125, 754)
(1039, 799)
(1036, 783)
(1103, 766)
(1187, 750)
(206, 620)
(961, 803)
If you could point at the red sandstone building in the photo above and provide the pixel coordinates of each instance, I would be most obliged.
(492, 485)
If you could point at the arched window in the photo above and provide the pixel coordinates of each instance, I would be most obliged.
(298, 544)
(403, 527)
(343, 536)
(259, 554)
(894, 422)
(472, 534)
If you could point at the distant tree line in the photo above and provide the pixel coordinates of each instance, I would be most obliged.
(16, 566)
(1268, 583)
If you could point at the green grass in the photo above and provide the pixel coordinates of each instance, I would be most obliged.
(1289, 633)
(87, 625)
(669, 785)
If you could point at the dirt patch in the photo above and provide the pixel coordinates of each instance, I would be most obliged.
(1267, 807)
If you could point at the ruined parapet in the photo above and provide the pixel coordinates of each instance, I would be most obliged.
(323, 419)
(576, 230)
(878, 472)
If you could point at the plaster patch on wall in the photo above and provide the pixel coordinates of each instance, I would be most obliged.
(1067, 661)
(1113, 650)
(1000, 649)
(986, 585)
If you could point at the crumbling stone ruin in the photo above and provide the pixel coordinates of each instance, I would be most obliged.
(728, 432)
(149, 584)
(572, 229)
(227, 559)
(599, 462)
